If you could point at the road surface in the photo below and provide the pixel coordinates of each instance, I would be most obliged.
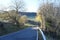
(25, 34)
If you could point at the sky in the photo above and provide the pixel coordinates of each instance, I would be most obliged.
(31, 5)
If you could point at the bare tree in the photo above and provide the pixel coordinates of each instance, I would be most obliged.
(51, 12)
(17, 6)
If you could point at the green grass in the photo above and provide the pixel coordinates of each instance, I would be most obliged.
(47, 24)
(27, 24)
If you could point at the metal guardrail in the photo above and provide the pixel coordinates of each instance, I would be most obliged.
(44, 38)
(37, 28)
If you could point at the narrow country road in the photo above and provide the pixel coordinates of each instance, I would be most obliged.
(25, 34)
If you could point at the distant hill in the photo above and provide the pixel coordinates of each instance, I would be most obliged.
(28, 14)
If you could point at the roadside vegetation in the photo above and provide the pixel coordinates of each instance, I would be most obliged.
(50, 13)
(12, 21)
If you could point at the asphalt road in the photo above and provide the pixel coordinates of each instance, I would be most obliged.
(25, 34)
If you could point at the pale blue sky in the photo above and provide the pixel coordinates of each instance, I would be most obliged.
(31, 5)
